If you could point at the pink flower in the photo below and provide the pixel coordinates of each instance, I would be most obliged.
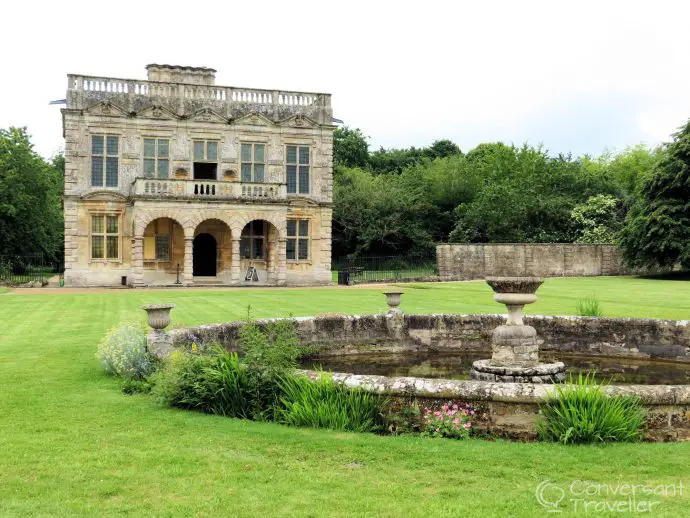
(467, 426)
(455, 407)
(456, 420)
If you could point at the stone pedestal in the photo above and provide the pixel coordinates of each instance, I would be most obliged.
(514, 346)
(159, 343)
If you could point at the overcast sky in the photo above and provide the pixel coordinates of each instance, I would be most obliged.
(576, 76)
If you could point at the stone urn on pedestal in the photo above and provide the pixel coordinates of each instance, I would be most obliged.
(393, 301)
(158, 341)
(514, 347)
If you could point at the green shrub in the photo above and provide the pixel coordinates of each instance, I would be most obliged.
(180, 382)
(130, 386)
(580, 412)
(208, 378)
(272, 350)
(214, 382)
(269, 353)
(123, 352)
(230, 386)
(588, 307)
(322, 403)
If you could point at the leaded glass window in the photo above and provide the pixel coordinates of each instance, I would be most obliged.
(105, 153)
(105, 237)
(297, 244)
(162, 247)
(205, 151)
(252, 240)
(297, 169)
(156, 157)
(253, 162)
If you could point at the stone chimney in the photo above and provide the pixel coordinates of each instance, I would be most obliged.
(181, 74)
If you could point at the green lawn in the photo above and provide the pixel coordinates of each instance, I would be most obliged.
(72, 444)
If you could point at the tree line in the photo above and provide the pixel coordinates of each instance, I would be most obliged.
(31, 216)
(405, 201)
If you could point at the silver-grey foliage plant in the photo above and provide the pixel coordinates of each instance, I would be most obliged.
(123, 352)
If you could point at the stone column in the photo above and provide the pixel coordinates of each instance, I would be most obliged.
(235, 261)
(138, 261)
(281, 260)
(188, 271)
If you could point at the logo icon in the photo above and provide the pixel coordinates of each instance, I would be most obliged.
(549, 496)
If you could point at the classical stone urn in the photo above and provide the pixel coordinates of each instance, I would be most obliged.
(393, 300)
(158, 315)
(514, 346)
(158, 341)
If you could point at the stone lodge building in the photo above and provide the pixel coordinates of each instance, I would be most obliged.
(177, 177)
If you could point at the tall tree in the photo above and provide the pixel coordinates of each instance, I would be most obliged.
(30, 198)
(657, 229)
(350, 148)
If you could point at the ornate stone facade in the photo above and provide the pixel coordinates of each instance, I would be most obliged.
(153, 165)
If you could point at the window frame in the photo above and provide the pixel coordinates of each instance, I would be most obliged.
(253, 162)
(167, 259)
(296, 238)
(252, 237)
(105, 155)
(206, 142)
(105, 234)
(297, 165)
(156, 158)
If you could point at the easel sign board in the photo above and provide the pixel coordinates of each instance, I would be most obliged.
(251, 275)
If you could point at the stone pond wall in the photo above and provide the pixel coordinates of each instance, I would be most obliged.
(505, 409)
(511, 409)
(340, 334)
(476, 261)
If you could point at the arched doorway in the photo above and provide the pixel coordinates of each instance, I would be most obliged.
(204, 256)
(258, 252)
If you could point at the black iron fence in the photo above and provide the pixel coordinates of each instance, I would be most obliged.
(18, 270)
(385, 268)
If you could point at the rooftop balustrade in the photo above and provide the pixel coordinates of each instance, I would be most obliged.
(185, 99)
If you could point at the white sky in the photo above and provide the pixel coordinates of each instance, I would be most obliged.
(576, 76)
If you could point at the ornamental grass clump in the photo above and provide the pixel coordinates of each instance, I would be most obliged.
(450, 420)
(580, 412)
(206, 377)
(322, 403)
(588, 307)
(123, 352)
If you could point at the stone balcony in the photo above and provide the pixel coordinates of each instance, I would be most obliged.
(210, 190)
(186, 100)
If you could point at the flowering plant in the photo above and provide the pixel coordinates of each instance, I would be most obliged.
(123, 352)
(450, 420)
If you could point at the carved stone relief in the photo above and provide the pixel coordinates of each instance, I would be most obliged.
(181, 147)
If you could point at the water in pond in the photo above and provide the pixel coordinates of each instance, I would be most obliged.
(457, 366)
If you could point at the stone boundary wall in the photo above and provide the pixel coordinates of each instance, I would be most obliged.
(592, 336)
(477, 261)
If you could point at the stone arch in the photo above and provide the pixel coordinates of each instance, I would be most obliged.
(197, 217)
(143, 218)
(277, 219)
